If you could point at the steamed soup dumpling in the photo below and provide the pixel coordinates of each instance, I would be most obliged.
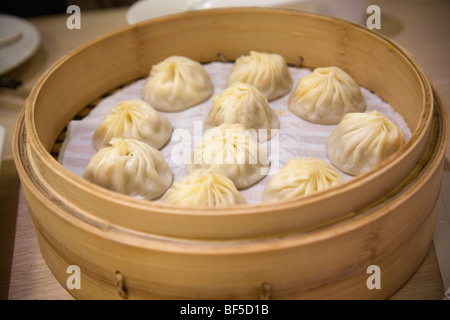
(243, 103)
(326, 95)
(133, 119)
(268, 72)
(300, 177)
(130, 167)
(204, 187)
(232, 151)
(177, 83)
(363, 140)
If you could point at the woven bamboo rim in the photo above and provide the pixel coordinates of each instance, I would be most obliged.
(160, 219)
(372, 237)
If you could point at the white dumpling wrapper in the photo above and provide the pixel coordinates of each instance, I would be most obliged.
(133, 119)
(177, 83)
(244, 104)
(233, 151)
(326, 95)
(130, 167)
(301, 177)
(363, 140)
(204, 187)
(268, 72)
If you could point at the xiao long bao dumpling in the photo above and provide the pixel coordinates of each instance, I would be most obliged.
(363, 140)
(243, 103)
(232, 151)
(133, 119)
(130, 167)
(268, 72)
(204, 187)
(301, 177)
(177, 83)
(326, 95)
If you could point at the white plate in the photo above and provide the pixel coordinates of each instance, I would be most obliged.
(19, 40)
(352, 10)
(148, 9)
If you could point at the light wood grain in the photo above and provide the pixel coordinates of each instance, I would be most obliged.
(34, 281)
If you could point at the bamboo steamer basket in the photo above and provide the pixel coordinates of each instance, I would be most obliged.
(316, 247)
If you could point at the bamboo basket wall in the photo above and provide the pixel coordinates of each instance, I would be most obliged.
(316, 247)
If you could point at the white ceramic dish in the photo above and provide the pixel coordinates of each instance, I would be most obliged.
(352, 10)
(19, 40)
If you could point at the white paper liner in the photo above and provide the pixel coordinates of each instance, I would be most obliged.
(296, 138)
